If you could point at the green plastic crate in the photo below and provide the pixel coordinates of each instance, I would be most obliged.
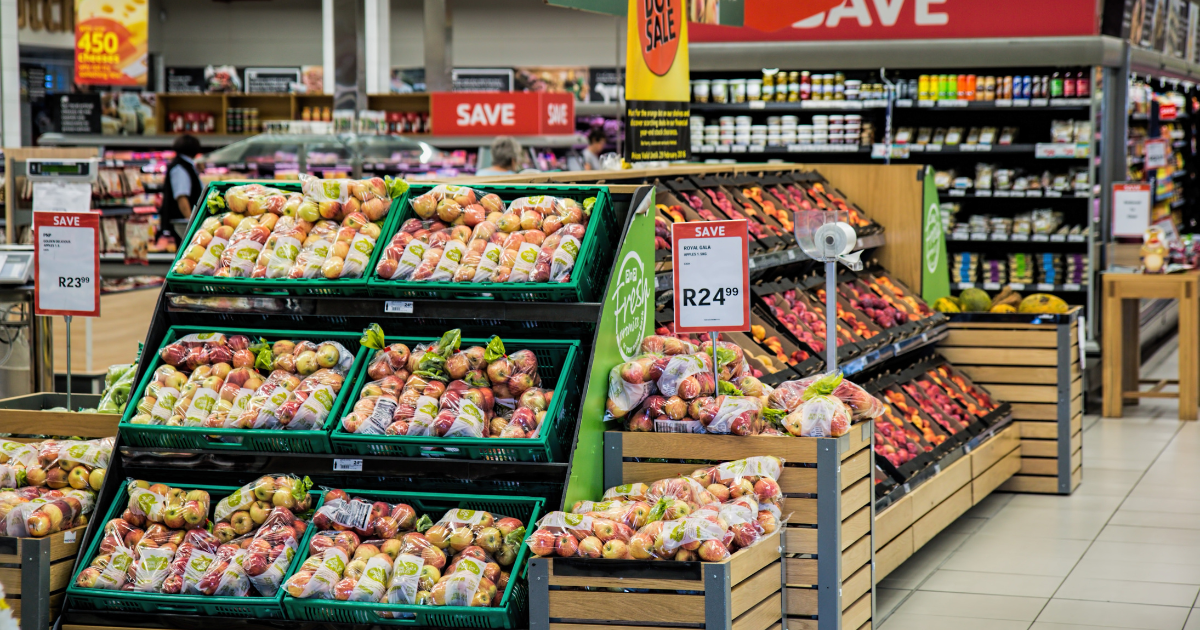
(270, 440)
(163, 603)
(280, 286)
(560, 366)
(588, 277)
(513, 605)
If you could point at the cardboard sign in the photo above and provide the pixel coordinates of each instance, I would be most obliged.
(501, 113)
(111, 42)
(1156, 153)
(657, 82)
(1131, 209)
(66, 263)
(711, 276)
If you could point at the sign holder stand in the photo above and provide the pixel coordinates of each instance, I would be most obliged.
(68, 318)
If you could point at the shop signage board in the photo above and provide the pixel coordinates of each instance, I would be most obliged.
(1167, 111)
(482, 79)
(916, 19)
(111, 42)
(1156, 153)
(627, 318)
(66, 263)
(935, 266)
(501, 113)
(186, 80)
(78, 113)
(1131, 208)
(270, 80)
(711, 276)
(657, 83)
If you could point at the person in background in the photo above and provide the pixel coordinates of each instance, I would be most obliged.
(506, 157)
(596, 143)
(181, 187)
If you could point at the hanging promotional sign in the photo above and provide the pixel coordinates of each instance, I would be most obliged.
(66, 263)
(711, 276)
(1156, 153)
(111, 42)
(1131, 208)
(501, 113)
(906, 19)
(657, 82)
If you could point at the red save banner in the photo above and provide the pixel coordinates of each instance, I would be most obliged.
(919, 19)
(66, 263)
(502, 113)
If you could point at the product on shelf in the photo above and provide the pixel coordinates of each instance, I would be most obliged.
(215, 380)
(463, 559)
(705, 516)
(460, 235)
(442, 390)
(329, 231)
(1006, 301)
(161, 543)
(55, 464)
(39, 512)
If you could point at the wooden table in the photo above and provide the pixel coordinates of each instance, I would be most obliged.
(1120, 348)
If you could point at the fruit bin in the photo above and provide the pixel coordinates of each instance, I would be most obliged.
(162, 603)
(559, 365)
(1033, 362)
(261, 286)
(510, 614)
(588, 277)
(828, 494)
(741, 591)
(39, 568)
(22, 414)
(267, 440)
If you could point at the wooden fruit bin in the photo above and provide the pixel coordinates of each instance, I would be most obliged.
(741, 591)
(1033, 362)
(828, 507)
(38, 569)
(25, 416)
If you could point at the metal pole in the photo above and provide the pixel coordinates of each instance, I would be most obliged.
(831, 315)
(68, 318)
(712, 336)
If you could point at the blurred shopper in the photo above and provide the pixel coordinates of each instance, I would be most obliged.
(506, 157)
(597, 140)
(182, 187)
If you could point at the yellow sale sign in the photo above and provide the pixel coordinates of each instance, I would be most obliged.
(111, 42)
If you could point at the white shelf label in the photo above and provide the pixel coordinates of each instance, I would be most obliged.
(1017, 286)
(1076, 238)
(1024, 238)
(1003, 193)
(999, 237)
(1039, 102)
(395, 306)
(1053, 194)
(874, 103)
(1020, 102)
(757, 148)
(1003, 102)
(347, 465)
(955, 103)
(1058, 238)
(1040, 238)
(738, 148)
(69, 537)
(979, 237)
(707, 148)
(956, 192)
(1037, 194)
(758, 104)
(722, 148)
(904, 102)
(983, 192)
(1042, 286)
(966, 285)
(926, 103)
(991, 286)
(1071, 286)
(933, 147)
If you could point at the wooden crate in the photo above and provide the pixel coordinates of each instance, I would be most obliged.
(38, 569)
(742, 591)
(978, 469)
(1033, 362)
(827, 486)
(24, 415)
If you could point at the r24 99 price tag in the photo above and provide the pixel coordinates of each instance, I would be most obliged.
(711, 276)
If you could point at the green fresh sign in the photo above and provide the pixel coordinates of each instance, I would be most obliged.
(628, 317)
(935, 268)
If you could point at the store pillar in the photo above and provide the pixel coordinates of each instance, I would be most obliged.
(439, 43)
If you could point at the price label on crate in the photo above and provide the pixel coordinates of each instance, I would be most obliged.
(66, 258)
(711, 276)
(347, 465)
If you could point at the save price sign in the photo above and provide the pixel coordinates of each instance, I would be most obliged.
(712, 276)
(66, 263)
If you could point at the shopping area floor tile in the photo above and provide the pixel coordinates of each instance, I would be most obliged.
(973, 605)
(906, 621)
(991, 583)
(1146, 518)
(990, 505)
(1150, 534)
(1072, 502)
(1017, 554)
(1078, 586)
(888, 599)
(1061, 522)
(1110, 569)
(1114, 615)
(1046, 625)
(1160, 504)
(925, 561)
(1193, 622)
(1145, 552)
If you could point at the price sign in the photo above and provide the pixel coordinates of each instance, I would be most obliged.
(711, 276)
(66, 262)
(1156, 153)
(1131, 208)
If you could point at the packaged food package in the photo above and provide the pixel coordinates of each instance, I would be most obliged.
(282, 491)
(458, 529)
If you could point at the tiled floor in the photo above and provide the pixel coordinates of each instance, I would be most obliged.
(1122, 552)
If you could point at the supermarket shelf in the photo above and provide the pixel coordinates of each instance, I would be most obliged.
(784, 106)
(1017, 286)
(999, 104)
(778, 149)
(949, 195)
(1178, 203)
(1016, 238)
(663, 281)
(880, 355)
(153, 258)
(213, 141)
(611, 110)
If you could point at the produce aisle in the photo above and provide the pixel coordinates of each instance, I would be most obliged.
(1123, 551)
